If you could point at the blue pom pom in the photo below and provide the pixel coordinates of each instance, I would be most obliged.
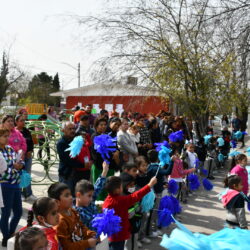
(176, 205)
(248, 206)
(166, 202)
(148, 202)
(207, 184)
(220, 157)
(233, 144)
(164, 217)
(160, 145)
(176, 136)
(197, 163)
(75, 146)
(173, 187)
(164, 156)
(25, 179)
(105, 144)
(207, 138)
(221, 142)
(205, 172)
(234, 153)
(237, 135)
(194, 183)
(107, 222)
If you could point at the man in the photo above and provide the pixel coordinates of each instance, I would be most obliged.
(84, 126)
(91, 117)
(70, 170)
(236, 123)
(78, 113)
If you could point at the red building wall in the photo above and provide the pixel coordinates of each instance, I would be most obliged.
(148, 104)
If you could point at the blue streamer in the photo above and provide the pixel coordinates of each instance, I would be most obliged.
(75, 146)
(164, 156)
(194, 183)
(176, 136)
(237, 135)
(248, 151)
(164, 218)
(105, 144)
(207, 184)
(234, 153)
(173, 187)
(160, 145)
(221, 157)
(148, 202)
(221, 142)
(107, 222)
(207, 139)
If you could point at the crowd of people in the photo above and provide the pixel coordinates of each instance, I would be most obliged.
(63, 219)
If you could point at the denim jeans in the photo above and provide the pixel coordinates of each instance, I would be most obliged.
(12, 203)
(28, 163)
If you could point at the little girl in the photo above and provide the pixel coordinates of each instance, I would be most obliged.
(178, 173)
(45, 210)
(240, 170)
(234, 202)
(31, 238)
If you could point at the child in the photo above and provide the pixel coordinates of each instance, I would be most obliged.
(201, 151)
(86, 195)
(3, 168)
(190, 156)
(141, 180)
(233, 201)
(240, 170)
(31, 238)
(71, 233)
(130, 168)
(158, 188)
(46, 212)
(121, 204)
(178, 173)
(212, 157)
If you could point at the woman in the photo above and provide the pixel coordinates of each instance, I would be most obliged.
(125, 143)
(10, 188)
(20, 126)
(52, 112)
(224, 122)
(16, 139)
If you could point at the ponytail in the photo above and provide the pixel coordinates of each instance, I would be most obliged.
(231, 181)
(30, 218)
(17, 237)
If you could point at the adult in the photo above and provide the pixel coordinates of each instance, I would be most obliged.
(84, 126)
(224, 122)
(77, 115)
(154, 130)
(104, 114)
(52, 112)
(70, 170)
(10, 188)
(91, 117)
(16, 139)
(125, 143)
(24, 112)
(20, 126)
(236, 123)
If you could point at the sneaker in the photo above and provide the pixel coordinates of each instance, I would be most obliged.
(159, 232)
(4, 242)
(139, 244)
(146, 240)
(210, 178)
(153, 235)
(31, 198)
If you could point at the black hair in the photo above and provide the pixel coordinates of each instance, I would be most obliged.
(129, 166)
(139, 160)
(42, 207)
(84, 118)
(6, 117)
(84, 186)
(152, 155)
(103, 112)
(231, 181)
(152, 123)
(42, 117)
(56, 189)
(26, 239)
(113, 183)
(98, 121)
(17, 117)
(115, 119)
(236, 159)
(126, 180)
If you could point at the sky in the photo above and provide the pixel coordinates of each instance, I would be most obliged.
(40, 36)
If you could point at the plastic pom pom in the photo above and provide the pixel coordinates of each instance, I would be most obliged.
(221, 142)
(234, 153)
(238, 135)
(166, 202)
(148, 202)
(25, 179)
(176, 205)
(164, 156)
(205, 172)
(207, 138)
(160, 145)
(221, 157)
(173, 187)
(164, 217)
(248, 206)
(194, 183)
(207, 184)
(248, 151)
(105, 144)
(107, 223)
(233, 144)
(75, 146)
(197, 163)
(176, 136)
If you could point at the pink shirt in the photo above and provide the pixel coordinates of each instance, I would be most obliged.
(17, 141)
(178, 171)
(242, 172)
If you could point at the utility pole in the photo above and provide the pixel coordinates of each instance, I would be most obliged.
(79, 75)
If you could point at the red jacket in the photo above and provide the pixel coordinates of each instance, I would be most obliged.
(121, 204)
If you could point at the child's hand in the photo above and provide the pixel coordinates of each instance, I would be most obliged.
(18, 166)
(152, 182)
(92, 242)
(192, 170)
(173, 158)
(105, 169)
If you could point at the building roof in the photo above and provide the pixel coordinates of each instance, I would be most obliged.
(114, 89)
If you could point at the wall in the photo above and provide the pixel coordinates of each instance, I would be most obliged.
(149, 104)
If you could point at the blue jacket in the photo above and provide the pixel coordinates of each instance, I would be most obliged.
(152, 170)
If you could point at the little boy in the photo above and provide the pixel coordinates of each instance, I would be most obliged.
(71, 232)
(131, 169)
(121, 204)
(86, 195)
